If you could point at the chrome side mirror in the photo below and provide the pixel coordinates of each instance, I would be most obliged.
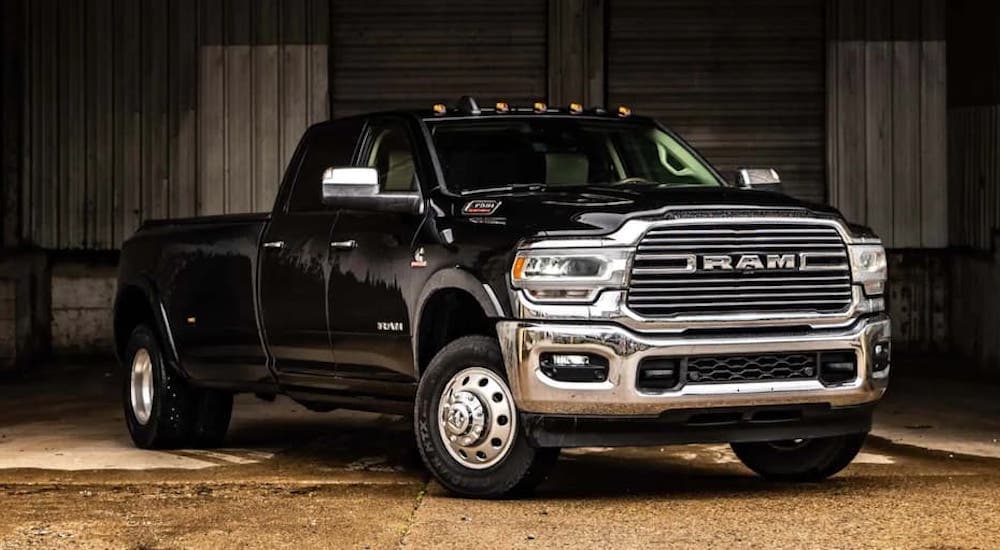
(342, 185)
(358, 189)
(758, 178)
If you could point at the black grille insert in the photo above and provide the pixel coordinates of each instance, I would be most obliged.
(663, 374)
(751, 368)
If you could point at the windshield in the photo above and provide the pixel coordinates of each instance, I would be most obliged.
(535, 153)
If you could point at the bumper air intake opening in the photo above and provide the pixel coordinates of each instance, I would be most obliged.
(837, 367)
(659, 374)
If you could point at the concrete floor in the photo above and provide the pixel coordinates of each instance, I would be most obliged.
(70, 479)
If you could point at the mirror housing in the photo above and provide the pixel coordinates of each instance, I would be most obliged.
(358, 189)
(764, 179)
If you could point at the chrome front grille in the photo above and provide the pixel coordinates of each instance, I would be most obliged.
(740, 267)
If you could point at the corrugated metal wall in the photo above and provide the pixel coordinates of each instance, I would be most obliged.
(974, 124)
(140, 109)
(408, 53)
(262, 80)
(974, 140)
(888, 118)
(743, 80)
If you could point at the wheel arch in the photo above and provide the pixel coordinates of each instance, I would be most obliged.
(460, 305)
(136, 302)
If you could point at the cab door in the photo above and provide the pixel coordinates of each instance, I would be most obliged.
(295, 256)
(374, 264)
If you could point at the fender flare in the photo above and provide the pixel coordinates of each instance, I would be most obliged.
(161, 323)
(453, 278)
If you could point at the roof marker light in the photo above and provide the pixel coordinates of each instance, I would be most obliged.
(502, 107)
(440, 109)
(624, 111)
(575, 108)
(541, 107)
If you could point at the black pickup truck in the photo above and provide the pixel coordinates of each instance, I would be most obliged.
(519, 280)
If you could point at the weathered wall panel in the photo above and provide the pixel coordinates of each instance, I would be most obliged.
(974, 143)
(974, 123)
(141, 109)
(887, 118)
(743, 80)
(919, 290)
(82, 301)
(12, 118)
(974, 311)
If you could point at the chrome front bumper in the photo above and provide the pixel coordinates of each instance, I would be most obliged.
(523, 341)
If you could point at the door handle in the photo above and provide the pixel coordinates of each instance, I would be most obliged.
(274, 244)
(344, 245)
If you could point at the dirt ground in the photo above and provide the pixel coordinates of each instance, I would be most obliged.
(291, 478)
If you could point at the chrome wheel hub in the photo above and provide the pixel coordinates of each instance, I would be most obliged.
(477, 418)
(141, 386)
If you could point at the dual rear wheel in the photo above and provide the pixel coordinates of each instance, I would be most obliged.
(162, 411)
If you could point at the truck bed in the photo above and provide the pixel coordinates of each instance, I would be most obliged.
(203, 271)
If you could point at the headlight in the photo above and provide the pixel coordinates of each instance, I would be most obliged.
(559, 268)
(868, 267)
(576, 276)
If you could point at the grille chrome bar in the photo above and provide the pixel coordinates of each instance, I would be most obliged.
(730, 280)
(748, 295)
(753, 247)
(659, 289)
(642, 291)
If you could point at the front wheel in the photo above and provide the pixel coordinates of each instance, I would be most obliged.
(467, 425)
(800, 459)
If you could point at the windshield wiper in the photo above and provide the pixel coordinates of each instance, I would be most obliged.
(512, 187)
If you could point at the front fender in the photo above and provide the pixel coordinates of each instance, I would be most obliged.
(454, 278)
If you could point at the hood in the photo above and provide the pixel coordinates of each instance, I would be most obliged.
(600, 210)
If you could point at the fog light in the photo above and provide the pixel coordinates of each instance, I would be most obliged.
(881, 355)
(574, 367)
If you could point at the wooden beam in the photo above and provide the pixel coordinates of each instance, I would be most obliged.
(576, 52)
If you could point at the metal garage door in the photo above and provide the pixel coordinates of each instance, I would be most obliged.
(406, 53)
(743, 80)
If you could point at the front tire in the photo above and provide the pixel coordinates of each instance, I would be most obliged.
(467, 426)
(800, 460)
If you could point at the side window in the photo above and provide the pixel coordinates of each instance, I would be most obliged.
(330, 145)
(392, 155)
